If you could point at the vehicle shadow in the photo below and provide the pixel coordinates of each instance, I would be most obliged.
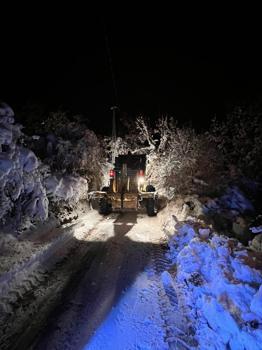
(124, 223)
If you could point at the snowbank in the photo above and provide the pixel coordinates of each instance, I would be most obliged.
(217, 289)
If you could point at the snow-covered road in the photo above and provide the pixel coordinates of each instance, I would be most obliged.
(115, 294)
(104, 290)
(116, 299)
(111, 283)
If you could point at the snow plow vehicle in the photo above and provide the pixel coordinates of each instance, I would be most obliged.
(127, 190)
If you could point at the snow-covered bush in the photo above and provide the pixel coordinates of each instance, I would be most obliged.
(179, 160)
(64, 193)
(22, 195)
(30, 188)
(66, 188)
(71, 148)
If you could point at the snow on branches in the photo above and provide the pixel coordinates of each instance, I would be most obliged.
(178, 160)
(73, 148)
(22, 195)
(72, 159)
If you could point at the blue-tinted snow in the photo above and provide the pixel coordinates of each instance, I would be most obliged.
(217, 290)
(135, 322)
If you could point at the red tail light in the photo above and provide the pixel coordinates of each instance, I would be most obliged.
(112, 173)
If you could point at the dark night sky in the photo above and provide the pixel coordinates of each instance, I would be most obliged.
(190, 69)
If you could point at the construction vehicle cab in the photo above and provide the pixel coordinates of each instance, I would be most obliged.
(127, 188)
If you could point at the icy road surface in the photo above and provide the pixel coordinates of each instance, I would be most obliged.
(117, 299)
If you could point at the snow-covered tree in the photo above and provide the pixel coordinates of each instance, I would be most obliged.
(22, 195)
(72, 149)
(179, 160)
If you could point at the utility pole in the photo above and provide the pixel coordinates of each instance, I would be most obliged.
(114, 109)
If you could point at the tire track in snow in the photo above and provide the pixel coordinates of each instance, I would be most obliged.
(178, 334)
(93, 294)
(89, 291)
(39, 293)
(115, 294)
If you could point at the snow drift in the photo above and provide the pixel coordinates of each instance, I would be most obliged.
(219, 288)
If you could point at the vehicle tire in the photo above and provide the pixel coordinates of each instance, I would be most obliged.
(150, 188)
(151, 207)
(104, 207)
